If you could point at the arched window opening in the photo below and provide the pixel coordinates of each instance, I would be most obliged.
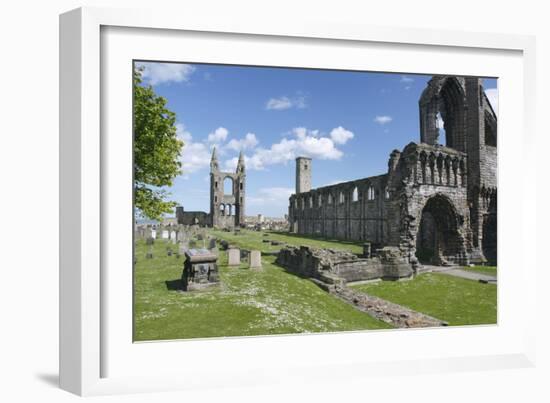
(228, 186)
(387, 194)
(370, 193)
(355, 195)
(341, 198)
(222, 209)
(310, 201)
(440, 124)
(320, 200)
(329, 201)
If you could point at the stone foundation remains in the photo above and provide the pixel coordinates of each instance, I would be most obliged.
(340, 267)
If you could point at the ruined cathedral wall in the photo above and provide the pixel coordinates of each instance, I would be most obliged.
(352, 210)
(488, 167)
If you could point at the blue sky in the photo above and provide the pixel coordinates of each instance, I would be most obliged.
(348, 122)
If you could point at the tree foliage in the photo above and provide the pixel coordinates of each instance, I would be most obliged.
(156, 150)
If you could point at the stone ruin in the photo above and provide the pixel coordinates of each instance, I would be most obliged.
(332, 270)
(436, 201)
(340, 267)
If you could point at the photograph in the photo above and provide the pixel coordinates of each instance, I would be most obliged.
(278, 200)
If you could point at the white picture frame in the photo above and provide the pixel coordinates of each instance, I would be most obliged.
(96, 356)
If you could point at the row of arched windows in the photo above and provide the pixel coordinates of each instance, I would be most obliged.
(228, 209)
(341, 196)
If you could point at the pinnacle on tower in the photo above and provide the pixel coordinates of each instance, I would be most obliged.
(214, 160)
(241, 161)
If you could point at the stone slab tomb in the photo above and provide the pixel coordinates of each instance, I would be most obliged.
(199, 270)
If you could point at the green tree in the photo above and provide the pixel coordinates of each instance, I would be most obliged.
(156, 150)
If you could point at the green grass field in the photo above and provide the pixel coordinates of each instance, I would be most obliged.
(254, 240)
(452, 299)
(246, 303)
(272, 301)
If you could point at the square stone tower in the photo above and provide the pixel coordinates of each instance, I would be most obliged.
(303, 174)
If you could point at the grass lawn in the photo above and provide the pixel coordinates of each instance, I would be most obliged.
(490, 270)
(452, 299)
(254, 240)
(270, 301)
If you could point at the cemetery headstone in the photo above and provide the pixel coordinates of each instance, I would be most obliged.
(149, 242)
(255, 259)
(233, 257)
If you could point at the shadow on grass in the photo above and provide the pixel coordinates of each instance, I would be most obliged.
(316, 238)
(174, 285)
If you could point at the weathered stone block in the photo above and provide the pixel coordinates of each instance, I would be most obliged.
(255, 259)
(233, 257)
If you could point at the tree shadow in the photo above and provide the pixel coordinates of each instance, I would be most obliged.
(316, 238)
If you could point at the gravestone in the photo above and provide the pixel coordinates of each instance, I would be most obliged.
(149, 242)
(255, 259)
(173, 237)
(233, 257)
(212, 243)
(244, 254)
(165, 234)
(180, 235)
(153, 234)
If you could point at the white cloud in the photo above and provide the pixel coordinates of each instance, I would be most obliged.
(183, 134)
(158, 73)
(284, 102)
(307, 143)
(194, 157)
(382, 120)
(218, 136)
(340, 135)
(492, 94)
(271, 197)
(406, 79)
(439, 121)
(249, 141)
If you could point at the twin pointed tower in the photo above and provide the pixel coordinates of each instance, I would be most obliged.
(227, 194)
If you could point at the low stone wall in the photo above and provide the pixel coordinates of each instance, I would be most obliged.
(397, 315)
(339, 267)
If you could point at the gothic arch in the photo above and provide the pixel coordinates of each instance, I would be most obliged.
(445, 96)
(439, 237)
